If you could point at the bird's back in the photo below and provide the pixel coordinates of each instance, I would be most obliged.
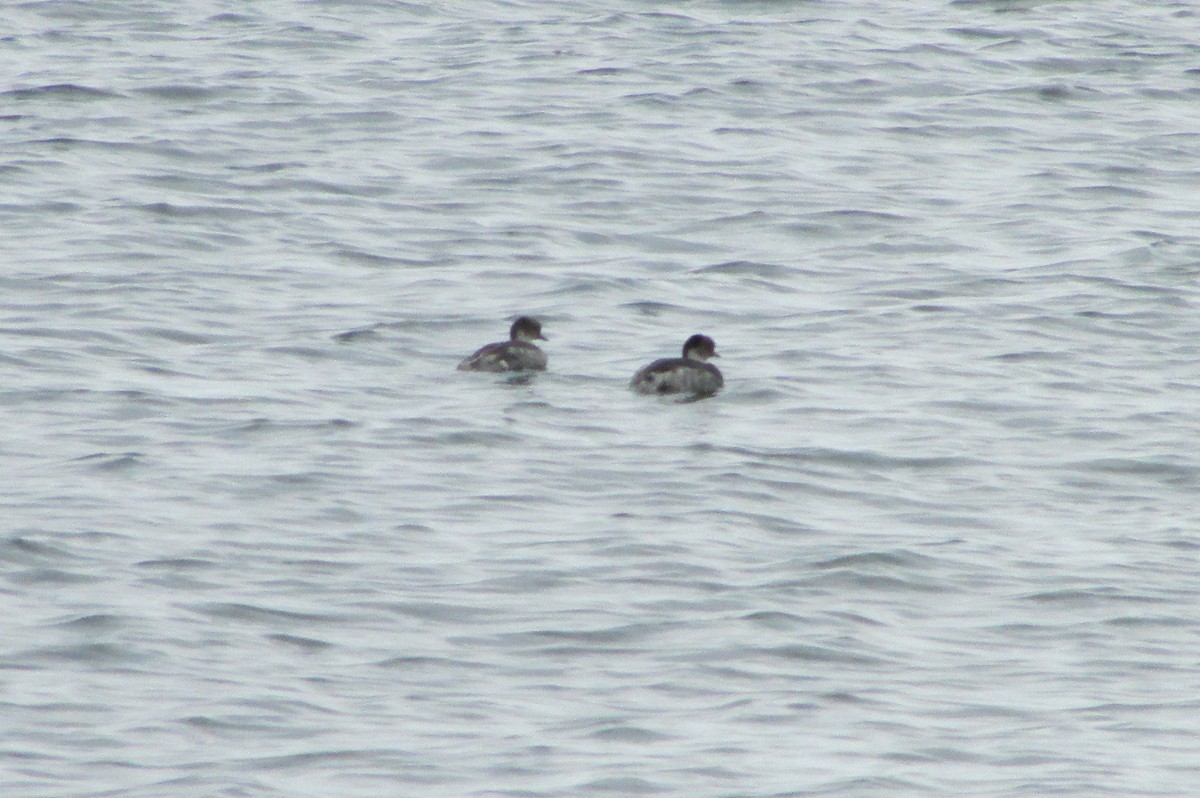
(506, 356)
(677, 375)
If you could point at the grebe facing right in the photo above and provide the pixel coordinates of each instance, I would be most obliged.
(515, 354)
(687, 374)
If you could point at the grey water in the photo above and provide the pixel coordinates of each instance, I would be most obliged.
(938, 535)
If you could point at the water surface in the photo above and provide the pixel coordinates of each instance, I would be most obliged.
(937, 536)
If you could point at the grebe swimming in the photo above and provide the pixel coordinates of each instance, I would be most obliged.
(687, 374)
(515, 354)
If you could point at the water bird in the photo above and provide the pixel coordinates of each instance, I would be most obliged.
(516, 354)
(688, 374)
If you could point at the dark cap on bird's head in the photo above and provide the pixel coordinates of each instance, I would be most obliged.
(700, 347)
(526, 328)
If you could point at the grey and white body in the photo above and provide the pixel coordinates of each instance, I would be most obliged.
(690, 374)
(516, 354)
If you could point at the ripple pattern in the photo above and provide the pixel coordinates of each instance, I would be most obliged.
(936, 537)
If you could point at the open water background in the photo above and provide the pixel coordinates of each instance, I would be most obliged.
(938, 536)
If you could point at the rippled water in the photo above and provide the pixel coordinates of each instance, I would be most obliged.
(937, 536)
